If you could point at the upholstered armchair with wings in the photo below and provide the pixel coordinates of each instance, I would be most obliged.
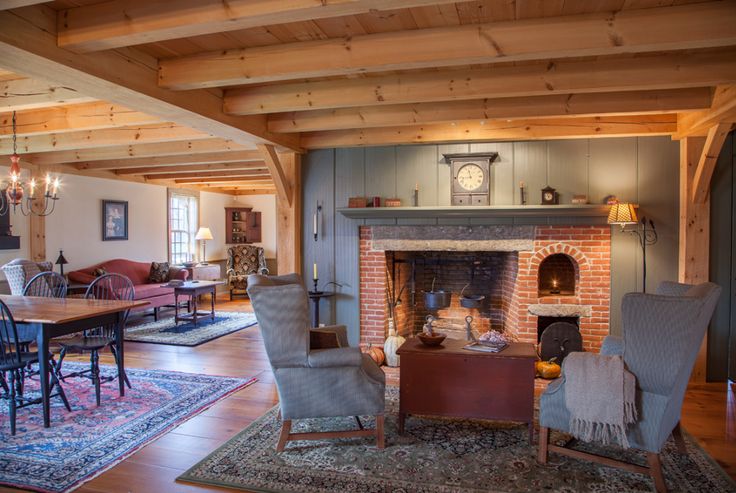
(242, 261)
(314, 382)
(662, 334)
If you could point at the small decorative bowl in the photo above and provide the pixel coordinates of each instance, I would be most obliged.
(431, 340)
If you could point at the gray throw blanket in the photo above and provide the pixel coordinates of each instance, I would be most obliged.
(600, 395)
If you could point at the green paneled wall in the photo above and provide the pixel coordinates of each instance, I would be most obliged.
(642, 170)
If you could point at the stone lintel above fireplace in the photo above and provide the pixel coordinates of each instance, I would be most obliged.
(453, 238)
(560, 310)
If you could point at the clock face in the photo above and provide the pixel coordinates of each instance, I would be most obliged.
(548, 196)
(470, 176)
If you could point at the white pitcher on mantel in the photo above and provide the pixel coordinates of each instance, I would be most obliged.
(392, 344)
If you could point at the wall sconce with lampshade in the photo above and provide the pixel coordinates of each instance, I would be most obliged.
(624, 214)
(204, 234)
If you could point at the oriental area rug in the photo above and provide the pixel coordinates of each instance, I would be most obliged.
(434, 456)
(165, 331)
(83, 443)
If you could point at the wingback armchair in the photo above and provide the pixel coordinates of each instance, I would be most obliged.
(19, 271)
(242, 261)
(662, 334)
(313, 382)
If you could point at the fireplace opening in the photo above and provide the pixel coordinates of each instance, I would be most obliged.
(544, 322)
(557, 276)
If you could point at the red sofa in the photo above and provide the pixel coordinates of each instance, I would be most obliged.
(138, 272)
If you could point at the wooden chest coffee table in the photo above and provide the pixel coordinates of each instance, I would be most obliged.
(454, 382)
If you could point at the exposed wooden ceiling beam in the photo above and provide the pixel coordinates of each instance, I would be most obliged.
(285, 192)
(100, 138)
(212, 157)
(667, 71)
(191, 167)
(558, 105)
(238, 179)
(108, 25)
(134, 151)
(26, 94)
(16, 4)
(632, 31)
(561, 128)
(71, 118)
(244, 191)
(125, 76)
(242, 174)
(722, 110)
(708, 159)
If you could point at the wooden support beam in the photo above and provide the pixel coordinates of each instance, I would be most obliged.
(559, 105)
(266, 180)
(494, 130)
(37, 225)
(678, 28)
(126, 76)
(133, 151)
(289, 218)
(108, 25)
(646, 72)
(694, 233)
(203, 158)
(100, 138)
(26, 94)
(274, 166)
(707, 162)
(242, 174)
(722, 110)
(71, 118)
(16, 4)
(188, 168)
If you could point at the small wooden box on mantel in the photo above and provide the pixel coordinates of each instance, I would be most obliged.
(242, 225)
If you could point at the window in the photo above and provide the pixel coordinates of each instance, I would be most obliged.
(183, 222)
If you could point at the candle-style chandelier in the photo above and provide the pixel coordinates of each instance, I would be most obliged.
(22, 196)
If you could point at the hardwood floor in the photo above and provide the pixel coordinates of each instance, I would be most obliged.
(709, 413)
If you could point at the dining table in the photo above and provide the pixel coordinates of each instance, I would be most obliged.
(61, 316)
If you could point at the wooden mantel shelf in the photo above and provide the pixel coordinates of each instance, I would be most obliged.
(594, 212)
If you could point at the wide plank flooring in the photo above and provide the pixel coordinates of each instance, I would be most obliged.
(709, 412)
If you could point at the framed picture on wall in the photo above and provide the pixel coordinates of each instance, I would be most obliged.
(114, 220)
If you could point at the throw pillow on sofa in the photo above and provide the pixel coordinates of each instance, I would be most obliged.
(159, 272)
(100, 271)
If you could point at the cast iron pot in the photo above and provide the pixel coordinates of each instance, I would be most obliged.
(436, 300)
(470, 300)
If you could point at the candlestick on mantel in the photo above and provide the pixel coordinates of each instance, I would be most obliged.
(522, 192)
(314, 276)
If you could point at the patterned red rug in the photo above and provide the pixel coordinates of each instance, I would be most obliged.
(82, 444)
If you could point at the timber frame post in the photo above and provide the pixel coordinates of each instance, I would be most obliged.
(37, 228)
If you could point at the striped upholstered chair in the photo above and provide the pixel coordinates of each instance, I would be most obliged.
(662, 334)
(313, 383)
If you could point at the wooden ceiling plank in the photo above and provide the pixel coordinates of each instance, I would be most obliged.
(16, 4)
(70, 118)
(540, 129)
(109, 25)
(100, 138)
(273, 162)
(722, 110)
(125, 76)
(243, 174)
(558, 105)
(238, 179)
(708, 159)
(677, 28)
(252, 165)
(668, 71)
(27, 94)
(212, 157)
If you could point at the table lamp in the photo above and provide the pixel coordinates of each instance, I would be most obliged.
(61, 261)
(204, 234)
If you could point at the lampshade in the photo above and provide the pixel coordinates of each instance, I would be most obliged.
(61, 260)
(622, 213)
(203, 234)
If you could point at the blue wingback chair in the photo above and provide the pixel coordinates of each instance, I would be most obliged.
(662, 334)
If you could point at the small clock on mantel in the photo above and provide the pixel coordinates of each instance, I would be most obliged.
(549, 196)
(470, 175)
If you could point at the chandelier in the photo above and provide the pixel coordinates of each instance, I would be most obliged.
(23, 196)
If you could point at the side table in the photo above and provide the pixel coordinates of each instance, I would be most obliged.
(208, 272)
(315, 296)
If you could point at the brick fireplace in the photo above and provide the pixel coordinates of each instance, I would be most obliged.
(529, 275)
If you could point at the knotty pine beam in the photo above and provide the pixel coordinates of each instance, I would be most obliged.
(494, 130)
(610, 104)
(16, 4)
(125, 76)
(280, 179)
(74, 117)
(722, 110)
(100, 138)
(694, 247)
(232, 179)
(153, 170)
(640, 73)
(678, 28)
(203, 158)
(26, 94)
(707, 162)
(243, 174)
(108, 25)
(289, 217)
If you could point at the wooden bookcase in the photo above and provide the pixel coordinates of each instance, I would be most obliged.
(242, 225)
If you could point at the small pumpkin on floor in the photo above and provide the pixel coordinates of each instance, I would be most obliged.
(376, 354)
(548, 369)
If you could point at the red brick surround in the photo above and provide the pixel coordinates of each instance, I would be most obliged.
(588, 246)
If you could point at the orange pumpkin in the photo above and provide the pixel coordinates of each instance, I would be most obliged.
(548, 369)
(376, 354)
